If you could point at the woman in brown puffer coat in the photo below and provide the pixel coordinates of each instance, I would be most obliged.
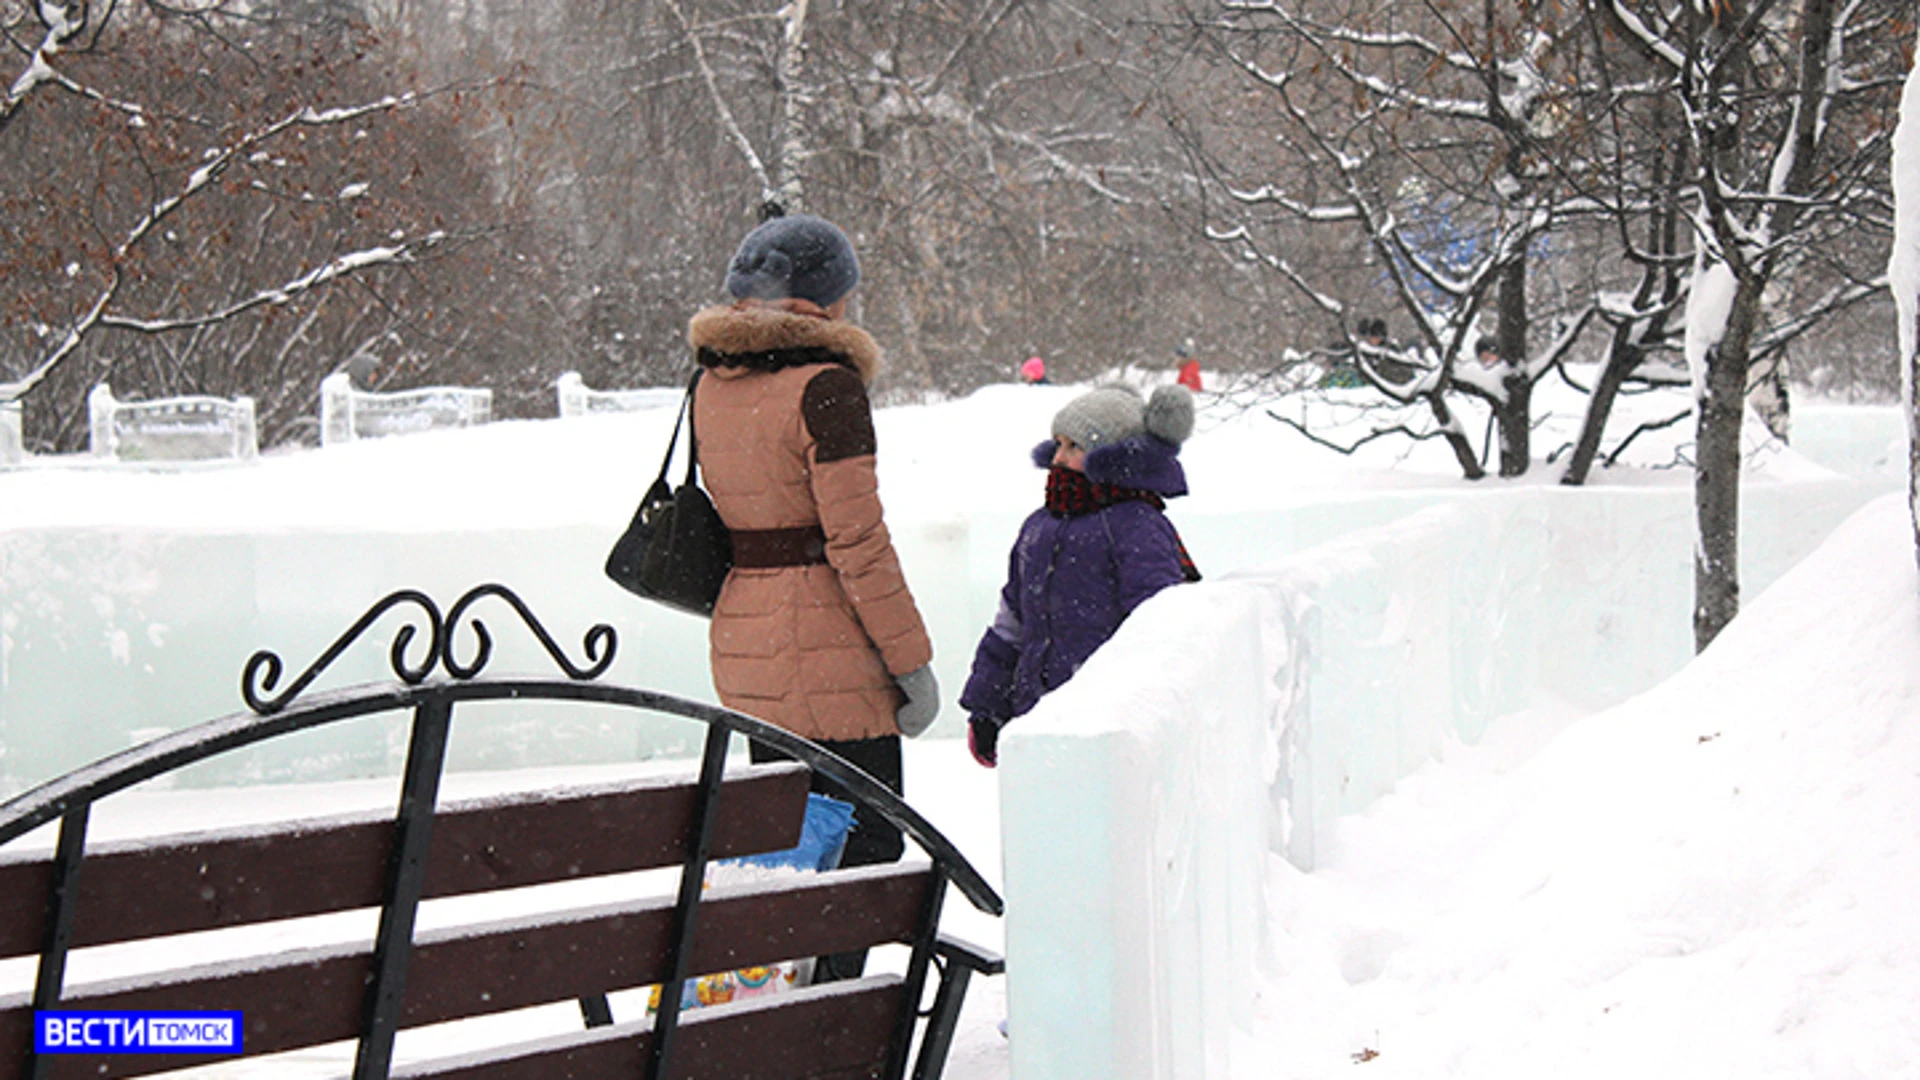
(815, 630)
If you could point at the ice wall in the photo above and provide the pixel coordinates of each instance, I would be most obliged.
(111, 633)
(1133, 842)
(1244, 715)
(108, 636)
(1867, 441)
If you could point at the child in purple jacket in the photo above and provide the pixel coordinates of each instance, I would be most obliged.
(1099, 547)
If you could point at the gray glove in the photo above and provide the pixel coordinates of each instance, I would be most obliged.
(923, 701)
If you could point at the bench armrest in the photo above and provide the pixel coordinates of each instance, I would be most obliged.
(969, 955)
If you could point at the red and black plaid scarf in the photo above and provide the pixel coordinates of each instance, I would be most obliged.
(1071, 493)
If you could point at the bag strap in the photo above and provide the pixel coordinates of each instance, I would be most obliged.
(693, 440)
(685, 414)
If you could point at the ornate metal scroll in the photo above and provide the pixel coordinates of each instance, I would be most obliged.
(264, 667)
(598, 643)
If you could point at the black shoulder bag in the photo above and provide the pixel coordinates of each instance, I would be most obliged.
(676, 551)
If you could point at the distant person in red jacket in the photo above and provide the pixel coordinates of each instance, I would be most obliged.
(1189, 367)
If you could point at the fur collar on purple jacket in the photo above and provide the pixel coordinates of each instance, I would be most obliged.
(1147, 462)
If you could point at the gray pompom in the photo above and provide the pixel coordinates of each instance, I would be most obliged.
(1170, 414)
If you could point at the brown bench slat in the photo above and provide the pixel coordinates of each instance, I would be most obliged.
(838, 1032)
(137, 889)
(315, 996)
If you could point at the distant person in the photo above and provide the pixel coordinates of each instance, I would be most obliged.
(1100, 546)
(1189, 376)
(1487, 351)
(361, 370)
(1034, 372)
(1373, 333)
(1381, 354)
(1344, 372)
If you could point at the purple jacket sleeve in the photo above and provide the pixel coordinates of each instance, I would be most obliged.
(990, 686)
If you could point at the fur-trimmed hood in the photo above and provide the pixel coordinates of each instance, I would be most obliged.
(753, 336)
(1140, 461)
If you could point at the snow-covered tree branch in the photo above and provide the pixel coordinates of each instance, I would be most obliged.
(182, 179)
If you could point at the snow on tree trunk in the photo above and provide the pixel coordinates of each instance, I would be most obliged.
(1716, 498)
(1719, 395)
(1903, 274)
(1516, 412)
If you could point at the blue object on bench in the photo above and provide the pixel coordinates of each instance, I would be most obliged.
(823, 838)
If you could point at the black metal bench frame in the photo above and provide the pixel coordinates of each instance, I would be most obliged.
(69, 800)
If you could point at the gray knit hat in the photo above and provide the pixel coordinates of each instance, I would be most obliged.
(799, 256)
(1108, 414)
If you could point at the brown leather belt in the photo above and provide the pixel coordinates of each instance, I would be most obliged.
(764, 549)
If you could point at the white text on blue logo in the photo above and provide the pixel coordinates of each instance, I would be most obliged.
(136, 1032)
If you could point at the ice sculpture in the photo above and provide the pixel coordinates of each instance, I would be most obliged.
(12, 446)
(347, 414)
(193, 428)
(579, 399)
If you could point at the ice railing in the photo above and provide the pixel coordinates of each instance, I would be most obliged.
(579, 399)
(347, 414)
(190, 428)
(12, 446)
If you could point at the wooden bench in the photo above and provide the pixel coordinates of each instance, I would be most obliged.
(81, 895)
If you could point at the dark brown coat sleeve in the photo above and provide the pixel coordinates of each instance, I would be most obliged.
(839, 424)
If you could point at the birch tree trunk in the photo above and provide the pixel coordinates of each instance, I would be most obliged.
(789, 77)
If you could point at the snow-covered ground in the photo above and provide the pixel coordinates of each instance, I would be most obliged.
(1706, 880)
(1713, 879)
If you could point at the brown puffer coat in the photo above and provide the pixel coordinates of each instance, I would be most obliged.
(816, 618)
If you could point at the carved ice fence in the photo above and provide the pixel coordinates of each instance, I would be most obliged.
(170, 429)
(12, 445)
(347, 414)
(579, 399)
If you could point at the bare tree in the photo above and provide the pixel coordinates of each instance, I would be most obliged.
(1531, 135)
(1787, 110)
(1441, 140)
(988, 157)
(208, 200)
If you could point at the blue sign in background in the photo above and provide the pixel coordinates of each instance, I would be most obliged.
(64, 1031)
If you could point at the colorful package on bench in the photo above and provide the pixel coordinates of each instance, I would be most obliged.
(823, 839)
